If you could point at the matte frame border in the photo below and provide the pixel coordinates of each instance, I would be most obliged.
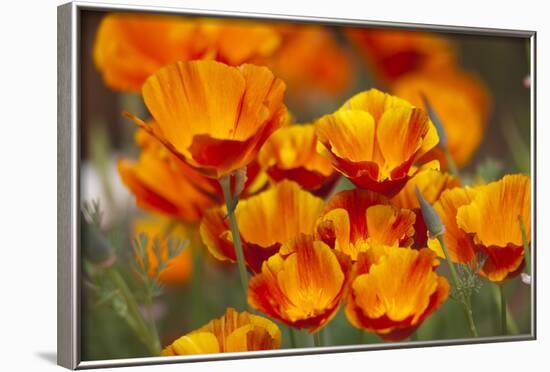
(68, 182)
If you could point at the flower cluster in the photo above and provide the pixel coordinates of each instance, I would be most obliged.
(222, 155)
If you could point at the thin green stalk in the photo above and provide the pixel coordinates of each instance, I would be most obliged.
(454, 277)
(510, 322)
(231, 204)
(503, 310)
(196, 286)
(292, 336)
(136, 321)
(526, 252)
(317, 339)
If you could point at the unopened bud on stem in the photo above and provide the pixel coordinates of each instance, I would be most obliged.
(431, 218)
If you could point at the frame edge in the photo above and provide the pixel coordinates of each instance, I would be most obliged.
(66, 340)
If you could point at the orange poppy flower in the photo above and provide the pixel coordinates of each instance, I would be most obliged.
(130, 47)
(459, 244)
(298, 61)
(356, 219)
(302, 285)
(177, 270)
(161, 183)
(158, 186)
(492, 218)
(291, 153)
(393, 290)
(212, 116)
(394, 53)
(461, 102)
(233, 332)
(375, 138)
(266, 221)
(431, 183)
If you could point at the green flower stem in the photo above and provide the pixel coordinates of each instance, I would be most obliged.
(503, 310)
(317, 341)
(292, 336)
(196, 285)
(451, 165)
(231, 205)
(466, 304)
(145, 333)
(526, 252)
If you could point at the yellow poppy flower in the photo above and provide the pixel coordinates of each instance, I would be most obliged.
(233, 332)
(266, 221)
(302, 285)
(291, 153)
(459, 244)
(375, 138)
(212, 116)
(431, 183)
(493, 219)
(356, 219)
(393, 290)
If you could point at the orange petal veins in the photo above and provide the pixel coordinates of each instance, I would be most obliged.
(291, 153)
(294, 211)
(356, 219)
(460, 245)
(213, 116)
(388, 225)
(430, 182)
(493, 214)
(375, 139)
(393, 290)
(278, 214)
(301, 286)
(348, 134)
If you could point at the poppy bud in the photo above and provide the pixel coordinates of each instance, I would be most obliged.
(431, 218)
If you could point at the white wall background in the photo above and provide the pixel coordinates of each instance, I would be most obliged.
(28, 184)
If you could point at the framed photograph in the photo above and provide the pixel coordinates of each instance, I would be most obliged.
(235, 185)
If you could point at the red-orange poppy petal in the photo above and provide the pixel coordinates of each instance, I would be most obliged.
(199, 118)
(394, 290)
(459, 244)
(302, 286)
(493, 215)
(214, 228)
(374, 139)
(291, 153)
(389, 225)
(160, 188)
(501, 262)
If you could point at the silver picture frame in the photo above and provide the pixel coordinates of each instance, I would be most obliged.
(68, 181)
